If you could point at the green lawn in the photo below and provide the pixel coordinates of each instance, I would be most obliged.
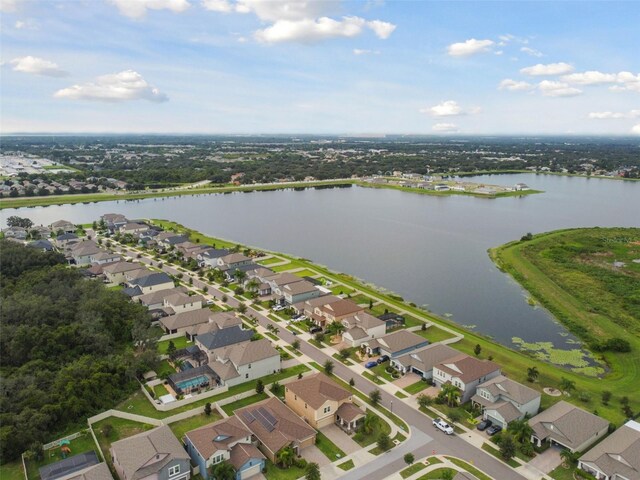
(562, 473)
(373, 378)
(243, 402)
(364, 439)
(160, 390)
(435, 334)
(348, 465)
(276, 473)
(271, 336)
(305, 273)
(165, 368)
(412, 470)
(270, 261)
(469, 468)
(13, 471)
(399, 394)
(139, 404)
(121, 429)
(341, 289)
(437, 474)
(79, 445)
(381, 372)
(330, 449)
(181, 427)
(496, 453)
(417, 387)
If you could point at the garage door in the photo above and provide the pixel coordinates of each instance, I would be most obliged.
(250, 472)
(495, 421)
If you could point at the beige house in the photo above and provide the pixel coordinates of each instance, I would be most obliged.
(179, 302)
(275, 427)
(335, 311)
(321, 402)
(361, 328)
(503, 400)
(187, 322)
(466, 373)
(617, 457)
(566, 425)
(116, 272)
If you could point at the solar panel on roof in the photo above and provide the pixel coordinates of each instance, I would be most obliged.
(268, 415)
(248, 416)
(266, 419)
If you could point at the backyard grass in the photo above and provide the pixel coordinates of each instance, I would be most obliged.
(342, 289)
(243, 402)
(417, 387)
(412, 470)
(270, 261)
(469, 468)
(181, 427)
(435, 334)
(160, 390)
(273, 472)
(78, 445)
(165, 369)
(139, 404)
(348, 465)
(305, 273)
(121, 429)
(330, 449)
(14, 470)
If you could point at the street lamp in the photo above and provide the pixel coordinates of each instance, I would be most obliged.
(391, 406)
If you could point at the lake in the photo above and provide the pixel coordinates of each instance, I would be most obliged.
(432, 250)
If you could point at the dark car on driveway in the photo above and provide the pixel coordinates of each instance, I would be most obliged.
(493, 429)
(382, 359)
(483, 425)
(370, 364)
(316, 329)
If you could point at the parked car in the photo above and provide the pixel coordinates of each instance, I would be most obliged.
(493, 429)
(301, 318)
(209, 302)
(277, 308)
(483, 425)
(371, 364)
(443, 426)
(382, 359)
(293, 332)
(315, 329)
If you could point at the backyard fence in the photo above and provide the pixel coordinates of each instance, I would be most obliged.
(56, 443)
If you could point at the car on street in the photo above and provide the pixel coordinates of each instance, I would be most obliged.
(382, 359)
(443, 426)
(493, 429)
(371, 364)
(483, 425)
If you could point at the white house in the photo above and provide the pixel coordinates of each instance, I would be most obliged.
(466, 373)
(503, 400)
(361, 328)
(240, 363)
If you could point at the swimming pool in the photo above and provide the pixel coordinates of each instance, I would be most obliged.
(186, 365)
(193, 382)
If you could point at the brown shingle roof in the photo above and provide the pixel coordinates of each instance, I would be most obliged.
(242, 354)
(425, 358)
(317, 389)
(503, 386)
(400, 340)
(288, 427)
(349, 412)
(241, 453)
(363, 320)
(467, 368)
(341, 307)
(217, 436)
(619, 453)
(196, 317)
(296, 288)
(121, 267)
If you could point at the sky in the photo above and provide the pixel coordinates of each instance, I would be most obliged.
(320, 67)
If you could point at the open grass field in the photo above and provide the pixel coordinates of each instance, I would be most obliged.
(181, 427)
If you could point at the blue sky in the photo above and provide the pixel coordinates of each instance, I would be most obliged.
(255, 66)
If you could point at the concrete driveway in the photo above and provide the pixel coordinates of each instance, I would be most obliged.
(341, 439)
(313, 454)
(548, 460)
(407, 379)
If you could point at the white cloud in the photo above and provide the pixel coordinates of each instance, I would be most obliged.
(515, 86)
(532, 51)
(469, 47)
(628, 81)
(9, 5)
(310, 30)
(557, 89)
(548, 69)
(614, 115)
(223, 6)
(445, 127)
(274, 10)
(591, 77)
(138, 8)
(382, 29)
(360, 51)
(636, 129)
(449, 108)
(37, 66)
(116, 87)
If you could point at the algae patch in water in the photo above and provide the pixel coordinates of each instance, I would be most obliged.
(577, 359)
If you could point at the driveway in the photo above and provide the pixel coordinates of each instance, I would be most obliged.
(313, 454)
(341, 439)
(548, 460)
(407, 379)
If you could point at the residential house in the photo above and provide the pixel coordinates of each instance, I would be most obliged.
(103, 257)
(225, 440)
(42, 245)
(113, 221)
(44, 232)
(155, 300)
(335, 312)
(308, 306)
(276, 426)
(503, 400)
(465, 373)
(152, 455)
(133, 228)
(85, 466)
(185, 248)
(209, 256)
(16, 233)
(321, 402)
(64, 225)
(361, 328)
(151, 282)
(299, 291)
(66, 240)
(82, 252)
(180, 302)
(617, 457)
(244, 361)
(231, 273)
(187, 322)
(116, 272)
(211, 341)
(96, 472)
(422, 360)
(392, 319)
(396, 344)
(232, 261)
(566, 425)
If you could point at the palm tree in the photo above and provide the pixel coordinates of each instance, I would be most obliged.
(328, 367)
(370, 423)
(532, 374)
(567, 385)
(223, 471)
(568, 457)
(451, 394)
(312, 472)
(286, 456)
(252, 285)
(375, 397)
(239, 275)
(521, 430)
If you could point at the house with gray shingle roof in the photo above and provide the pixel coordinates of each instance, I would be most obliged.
(246, 361)
(566, 425)
(155, 454)
(617, 457)
(361, 328)
(152, 282)
(222, 338)
(396, 344)
(422, 360)
(503, 400)
(466, 373)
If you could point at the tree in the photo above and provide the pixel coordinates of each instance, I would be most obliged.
(319, 337)
(276, 388)
(171, 348)
(15, 221)
(454, 416)
(328, 367)
(259, 386)
(477, 349)
(239, 275)
(507, 447)
(606, 397)
(451, 394)
(568, 457)
(352, 383)
(532, 374)
(566, 385)
(296, 344)
(370, 304)
(384, 442)
(521, 430)
(409, 458)
(370, 423)
(207, 409)
(375, 397)
(312, 471)
(448, 474)
(242, 308)
(223, 471)
(424, 400)
(107, 430)
(286, 456)
(423, 327)
(344, 353)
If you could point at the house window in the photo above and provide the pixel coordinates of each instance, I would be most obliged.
(327, 409)
(218, 459)
(246, 375)
(175, 470)
(249, 365)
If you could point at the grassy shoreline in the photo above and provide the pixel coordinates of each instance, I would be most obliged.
(421, 191)
(514, 363)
